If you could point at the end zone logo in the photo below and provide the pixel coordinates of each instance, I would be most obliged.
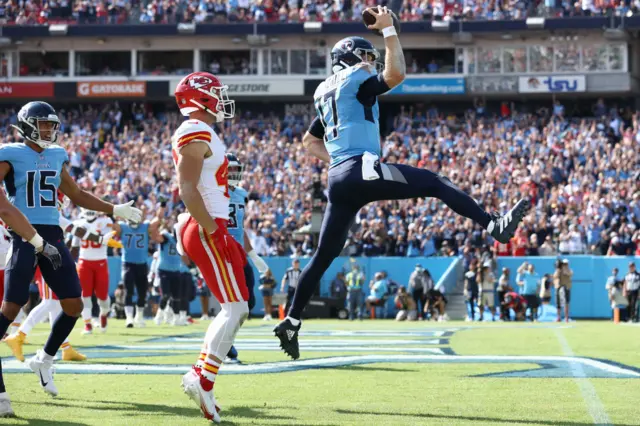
(93, 89)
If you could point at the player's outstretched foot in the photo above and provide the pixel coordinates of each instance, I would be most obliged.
(5, 406)
(503, 227)
(15, 343)
(192, 383)
(288, 335)
(71, 354)
(44, 370)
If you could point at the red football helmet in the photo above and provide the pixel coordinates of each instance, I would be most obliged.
(204, 91)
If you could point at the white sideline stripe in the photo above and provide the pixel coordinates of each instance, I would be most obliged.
(317, 342)
(589, 395)
(267, 347)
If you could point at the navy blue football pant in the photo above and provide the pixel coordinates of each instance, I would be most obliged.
(349, 192)
(21, 268)
(170, 285)
(135, 278)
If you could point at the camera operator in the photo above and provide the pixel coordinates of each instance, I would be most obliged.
(562, 280)
(406, 304)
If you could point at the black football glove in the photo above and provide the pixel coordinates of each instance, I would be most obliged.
(52, 254)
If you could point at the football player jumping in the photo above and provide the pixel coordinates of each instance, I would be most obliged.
(201, 163)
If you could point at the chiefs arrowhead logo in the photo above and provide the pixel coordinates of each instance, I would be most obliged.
(199, 81)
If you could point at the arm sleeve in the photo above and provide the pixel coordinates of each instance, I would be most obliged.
(316, 129)
(372, 87)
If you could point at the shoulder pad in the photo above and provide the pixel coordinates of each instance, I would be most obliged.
(190, 131)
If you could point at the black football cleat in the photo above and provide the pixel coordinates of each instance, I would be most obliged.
(502, 228)
(288, 335)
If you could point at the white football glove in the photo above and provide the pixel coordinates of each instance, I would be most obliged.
(127, 212)
(261, 265)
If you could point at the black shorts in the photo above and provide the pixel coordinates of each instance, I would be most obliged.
(567, 296)
(189, 289)
(532, 300)
(21, 267)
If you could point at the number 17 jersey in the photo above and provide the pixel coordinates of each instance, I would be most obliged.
(33, 181)
(350, 119)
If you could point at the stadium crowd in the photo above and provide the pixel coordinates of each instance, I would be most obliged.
(42, 12)
(580, 173)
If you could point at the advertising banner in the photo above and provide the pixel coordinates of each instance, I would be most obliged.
(111, 89)
(26, 90)
(552, 84)
(257, 86)
(430, 86)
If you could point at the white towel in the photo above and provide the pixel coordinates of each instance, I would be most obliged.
(368, 166)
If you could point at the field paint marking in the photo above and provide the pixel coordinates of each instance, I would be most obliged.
(589, 395)
(14, 366)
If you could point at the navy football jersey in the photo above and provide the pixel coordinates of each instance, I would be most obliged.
(351, 126)
(32, 184)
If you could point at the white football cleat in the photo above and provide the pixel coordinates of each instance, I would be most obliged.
(44, 370)
(159, 318)
(139, 321)
(228, 360)
(205, 317)
(203, 399)
(5, 406)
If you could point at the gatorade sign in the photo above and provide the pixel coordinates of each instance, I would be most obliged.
(111, 89)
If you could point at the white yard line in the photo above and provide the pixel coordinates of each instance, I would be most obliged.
(589, 395)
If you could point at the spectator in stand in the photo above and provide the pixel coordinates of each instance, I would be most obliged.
(631, 290)
(547, 248)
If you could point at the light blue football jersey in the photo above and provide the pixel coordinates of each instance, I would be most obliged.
(237, 202)
(169, 257)
(135, 242)
(351, 128)
(32, 184)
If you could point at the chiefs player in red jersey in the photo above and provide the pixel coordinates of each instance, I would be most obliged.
(201, 163)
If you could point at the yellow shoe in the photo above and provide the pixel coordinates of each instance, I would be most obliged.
(15, 343)
(71, 354)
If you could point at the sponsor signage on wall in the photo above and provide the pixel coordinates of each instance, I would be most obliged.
(111, 89)
(552, 84)
(430, 86)
(257, 86)
(26, 90)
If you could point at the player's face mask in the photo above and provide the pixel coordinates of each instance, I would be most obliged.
(235, 174)
(44, 131)
(370, 57)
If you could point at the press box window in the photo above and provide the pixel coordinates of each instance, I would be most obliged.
(159, 62)
(55, 64)
(103, 63)
(229, 62)
(430, 61)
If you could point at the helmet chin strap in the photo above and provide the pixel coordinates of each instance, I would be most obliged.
(219, 116)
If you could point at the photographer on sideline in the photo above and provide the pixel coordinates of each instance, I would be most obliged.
(418, 286)
(406, 304)
(631, 288)
(503, 288)
(528, 283)
(562, 280)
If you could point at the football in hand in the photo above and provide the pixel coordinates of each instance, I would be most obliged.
(370, 19)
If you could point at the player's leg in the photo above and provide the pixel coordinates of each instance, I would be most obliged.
(400, 181)
(16, 341)
(87, 277)
(141, 290)
(68, 352)
(129, 279)
(249, 276)
(18, 276)
(227, 283)
(65, 284)
(179, 294)
(166, 290)
(101, 288)
(337, 219)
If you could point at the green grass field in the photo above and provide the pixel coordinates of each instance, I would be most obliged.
(350, 373)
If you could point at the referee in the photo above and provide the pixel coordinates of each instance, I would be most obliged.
(290, 279)
(631, 286)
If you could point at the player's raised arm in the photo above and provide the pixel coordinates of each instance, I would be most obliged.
(85, 199)
(313, 141)
(257, 260)
(394, 65)
(189, 168)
